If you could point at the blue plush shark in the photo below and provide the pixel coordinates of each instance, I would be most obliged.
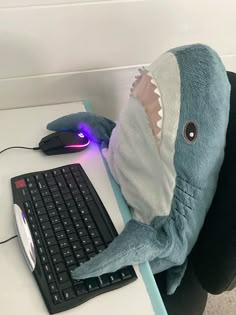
(165, 152)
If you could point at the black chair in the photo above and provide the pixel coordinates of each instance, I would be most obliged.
(212, 262)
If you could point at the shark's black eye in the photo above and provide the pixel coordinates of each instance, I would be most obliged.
(190, 131)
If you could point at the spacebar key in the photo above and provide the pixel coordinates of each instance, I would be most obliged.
(103, 229)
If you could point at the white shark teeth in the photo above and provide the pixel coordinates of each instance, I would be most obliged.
(160, 112)
(159, 123)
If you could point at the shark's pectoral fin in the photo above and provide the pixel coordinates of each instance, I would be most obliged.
(136, 244)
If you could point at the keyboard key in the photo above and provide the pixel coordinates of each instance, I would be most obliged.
(79, 254)
(51, 241)
(46, 225)
(49, 206)
(49, 277)
(34, 191)
(84, 211)
(53, 287)
(81, 289)
(79, 224)
(39, 177)
(47, 199)
(115, 277)
(73, 237)
(52, 212)
(75, 192)
(87, 218)
(94, 233)
(53, 188)
(47, 174)
(44, 192)
(47, 268)
(56, 194)
(65, 169)
(64, 190)
(60, 235)
(62, 277)
(70, 203)
(72, 210)
(56, 298)
(88, 197)
(61, 207)
(89, 248)
(38, 204)
(44, 259)
(126, 273)
(70, 229)
(74, 168)
(58, 227)
(56, 219)
(75, 217)
(97, 241)
(78, 197)
(57, 258)
(92, 284)
(104, 281)
(41, 250)
(60, 267)
(36, 197)
(41, 184)
(67, 196)
(82, 185)
(58, 201)
(72, 184)
(90, 225)
(66, 251)
(54, 249)
(60, 181)
(30, 179)
(69, 294)
(66, 222)
(86, 240)
(82, 232)
(69, 261)
(51, 181)
(80, 204)
(43, 218)
(41, 211)
(56, 172)
(63, 243)
(48, 233)
(76, 245)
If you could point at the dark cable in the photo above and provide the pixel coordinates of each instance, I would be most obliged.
(19, 147)
(9, 239)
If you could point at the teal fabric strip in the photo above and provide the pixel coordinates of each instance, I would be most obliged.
(87, 106)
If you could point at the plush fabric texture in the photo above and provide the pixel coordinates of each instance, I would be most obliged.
(181, 171)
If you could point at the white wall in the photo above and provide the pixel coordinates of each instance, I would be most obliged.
(54, 51)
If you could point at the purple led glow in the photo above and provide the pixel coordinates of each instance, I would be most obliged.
(77, 145)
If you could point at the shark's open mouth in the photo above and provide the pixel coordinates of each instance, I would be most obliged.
(146, 90)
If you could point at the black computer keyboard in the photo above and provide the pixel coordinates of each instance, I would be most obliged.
(69, 225)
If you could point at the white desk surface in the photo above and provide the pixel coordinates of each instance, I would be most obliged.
(19, 291)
